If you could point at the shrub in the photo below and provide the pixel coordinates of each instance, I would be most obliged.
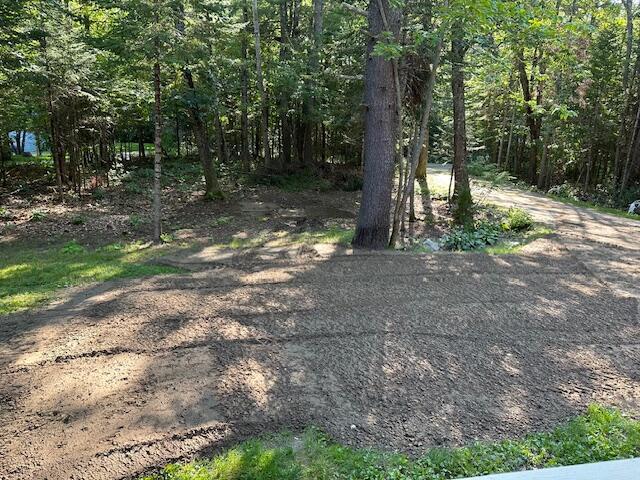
(516, 220)
(98, 193)
(72, 248)
(482, 234)
(38, 215)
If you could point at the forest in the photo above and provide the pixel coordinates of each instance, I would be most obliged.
(319, 239)
(547, 91)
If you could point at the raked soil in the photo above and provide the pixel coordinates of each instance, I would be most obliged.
(388, 350)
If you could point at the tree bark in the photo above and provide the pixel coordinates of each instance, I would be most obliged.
(157, 159)
(309, 105)
(264, 124)
(532, 122)
(419, 142)
(200, 131)
(462, 202)
(380, 121)
(285, 120)
(244, 116)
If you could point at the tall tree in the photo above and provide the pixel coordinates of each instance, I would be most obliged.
(381, 122)
(462, 202)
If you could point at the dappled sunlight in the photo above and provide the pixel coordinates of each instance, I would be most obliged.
(379, 349)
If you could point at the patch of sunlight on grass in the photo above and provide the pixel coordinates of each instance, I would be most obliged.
(31, 276)
(332, 235)
(600, 434)
(514, 245)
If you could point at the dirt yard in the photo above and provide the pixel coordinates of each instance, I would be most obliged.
(389, 350)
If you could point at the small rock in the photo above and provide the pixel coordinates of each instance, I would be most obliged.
(353, 427)
(431, 244)
(635, 207)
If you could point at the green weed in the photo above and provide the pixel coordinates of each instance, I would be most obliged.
(598, 435)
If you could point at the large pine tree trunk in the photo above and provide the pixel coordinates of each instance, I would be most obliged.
(380, 121)
(461, 192)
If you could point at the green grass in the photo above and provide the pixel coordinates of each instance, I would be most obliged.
(32, 276)
(516, 243)
(598, 435)
(332, 235)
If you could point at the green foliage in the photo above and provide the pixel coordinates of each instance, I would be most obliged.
(598, 435)
(221, 221)
(166, 238)
(516, 220)
(98, 193)
(465, 239)
(32, 276)
(38, 216)
(136, 220)
(78, 220)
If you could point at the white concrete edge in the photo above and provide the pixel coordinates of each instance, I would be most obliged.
(612, 470)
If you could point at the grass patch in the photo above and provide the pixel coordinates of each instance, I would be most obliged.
(32, 276)
(598, 435)
(511, 245)
(332, 235)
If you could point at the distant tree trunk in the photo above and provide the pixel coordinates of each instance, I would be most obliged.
(532, 122)
(268, 163)
(309, 105)
(380, 125)
(619, 166)
(632, 151)
(462, 202)
(285, 120)
(200, 131)
(244, 76)
(507, 155)
(141, 152)
(178, 135)
(157, 160)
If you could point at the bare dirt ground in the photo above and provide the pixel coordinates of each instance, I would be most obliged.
(389, 350)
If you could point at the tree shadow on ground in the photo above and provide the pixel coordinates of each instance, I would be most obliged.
(383, 350)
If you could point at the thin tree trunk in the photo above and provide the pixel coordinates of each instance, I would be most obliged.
(532, 122)
(268, 163)
(507, 155)
(244, 116)
(309, 105)
(418, 144)
(461, 191)
(421, 169)
(157, 160)
(285, 121)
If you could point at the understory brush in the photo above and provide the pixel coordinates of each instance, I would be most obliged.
(489, 231)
